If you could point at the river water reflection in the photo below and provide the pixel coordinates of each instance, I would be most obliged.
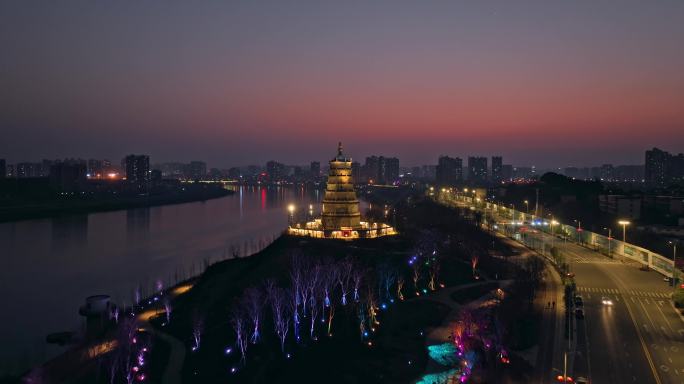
(49, 266)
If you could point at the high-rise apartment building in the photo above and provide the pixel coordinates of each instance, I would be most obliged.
(662, 168)
(477, 169)
(497, 169)
(449, 170)
(137, 170)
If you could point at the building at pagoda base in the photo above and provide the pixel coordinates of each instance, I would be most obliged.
(340, 218)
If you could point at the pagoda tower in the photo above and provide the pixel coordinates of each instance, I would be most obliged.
(340, 205)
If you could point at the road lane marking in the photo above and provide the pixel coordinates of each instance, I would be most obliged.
(643, 345)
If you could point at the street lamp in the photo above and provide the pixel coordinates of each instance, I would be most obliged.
(527, 207)
(674, 262)
(610, 239)
(579, 231)
(291, 209)
(624, 224)
(553, 232)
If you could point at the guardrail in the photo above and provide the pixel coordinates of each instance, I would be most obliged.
(595, 241)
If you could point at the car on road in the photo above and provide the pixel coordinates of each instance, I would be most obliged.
(582, 380)
(579, 302)
(606, 301)
(579, 313)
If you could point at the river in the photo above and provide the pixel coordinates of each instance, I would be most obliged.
(49, 266)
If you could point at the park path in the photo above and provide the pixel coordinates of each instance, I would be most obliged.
(177, 349)
(441, 334)
(174, 366)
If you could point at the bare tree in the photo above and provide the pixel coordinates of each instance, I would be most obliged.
(281, 321)
(372, 307)
(329, 281)
(433, 272)
(474, 259)
(361, 314)
(238, 320)
(310, 282)
(253, 302)
(357, 277)
(123, 359)
(416, 268)
(167, 310)
(387, 277)
(314, 297)
(197, 329)
(344, 274)
(297, 268)
(400, 285)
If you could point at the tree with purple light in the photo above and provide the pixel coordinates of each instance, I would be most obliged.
(329, 282)
(297, 272)
(314, 297)
(197, 329)
(357, 278)
(279, 299)
(344, 275)
(238, 320)
(253, 301)
(167, 310)
(123, 359)
(310, 283)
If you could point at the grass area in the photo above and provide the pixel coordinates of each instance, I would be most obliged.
(343, 358)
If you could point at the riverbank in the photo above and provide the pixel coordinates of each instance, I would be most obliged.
(73, 205)
(377, 336)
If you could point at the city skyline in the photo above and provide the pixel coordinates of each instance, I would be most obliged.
(306, 160)
(535, 83)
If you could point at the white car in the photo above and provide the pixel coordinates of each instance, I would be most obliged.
(606, 301)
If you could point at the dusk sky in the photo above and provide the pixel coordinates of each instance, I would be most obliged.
(549, 83)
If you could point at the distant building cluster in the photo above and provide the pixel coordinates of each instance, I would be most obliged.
(660, 169)
(378, 170)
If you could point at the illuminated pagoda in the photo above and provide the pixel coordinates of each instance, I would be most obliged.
(340, 205)
(341, 217)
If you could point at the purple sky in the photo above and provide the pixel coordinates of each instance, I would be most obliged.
(550, 83)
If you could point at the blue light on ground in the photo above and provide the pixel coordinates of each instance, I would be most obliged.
(444, 354)
(439, 378)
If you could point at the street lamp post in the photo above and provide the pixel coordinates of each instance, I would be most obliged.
(527, 207)
(579, 231)
(553, 232)
(624, 224)
(674, 263)
(610, 240)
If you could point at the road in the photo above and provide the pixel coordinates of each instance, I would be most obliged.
(640, 338)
